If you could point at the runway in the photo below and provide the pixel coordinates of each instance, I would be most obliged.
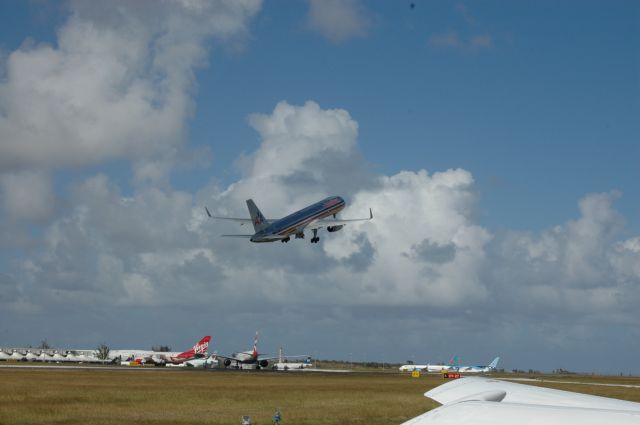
(556, 381)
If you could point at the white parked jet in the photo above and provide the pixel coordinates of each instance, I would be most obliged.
(478, 369)
(453, 362)
(482, 401)
(412, 367)
(251, 358)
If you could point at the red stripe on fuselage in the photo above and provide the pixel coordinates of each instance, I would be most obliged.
(318, 216)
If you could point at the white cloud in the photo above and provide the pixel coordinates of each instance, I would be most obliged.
(424, 263)
(577, 269)
(116, 86)
(27, 196)
(338, 20)
(423, 247)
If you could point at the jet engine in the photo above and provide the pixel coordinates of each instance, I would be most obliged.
(264, 363)
(334, 228)
(227, 362)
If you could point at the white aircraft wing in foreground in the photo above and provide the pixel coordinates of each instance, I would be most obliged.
(484, 401)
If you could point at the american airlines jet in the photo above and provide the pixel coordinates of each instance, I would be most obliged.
(313, 217)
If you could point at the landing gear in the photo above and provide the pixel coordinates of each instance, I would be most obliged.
(315, 238)
(285, 240)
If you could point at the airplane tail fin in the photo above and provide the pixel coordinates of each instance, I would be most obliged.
(255, 345)
(453, 361)
(259, 222)
(494, 363)
(202, 346)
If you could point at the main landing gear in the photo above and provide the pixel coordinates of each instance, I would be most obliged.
(315, 238)
(285, 240)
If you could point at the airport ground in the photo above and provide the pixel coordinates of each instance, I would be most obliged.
(162, 396)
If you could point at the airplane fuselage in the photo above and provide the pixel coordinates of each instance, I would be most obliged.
(247, 357)
(294, 223)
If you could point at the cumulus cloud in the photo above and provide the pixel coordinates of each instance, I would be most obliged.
(578, 266)
(338, 20)
(117, 85)
(28, 196)
(424, 264)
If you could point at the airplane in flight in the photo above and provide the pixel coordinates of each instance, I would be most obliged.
(252, 358)
(313, 217)
(478, 369)
(480, 401)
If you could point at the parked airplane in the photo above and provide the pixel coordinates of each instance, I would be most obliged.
(479, 369)
(412, 367)
(160, 358)
(453, 364)
(251, 358)
(479, 401)
(313, 217)
(284, 363)
(198, 350)
(431, 367)
(205, 362)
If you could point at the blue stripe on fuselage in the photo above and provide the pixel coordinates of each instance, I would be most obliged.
(294, 221)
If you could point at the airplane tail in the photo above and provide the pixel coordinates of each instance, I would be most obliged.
(494, 363)
(255, 345)
(259, 222)
(453, 361)
(200, 348)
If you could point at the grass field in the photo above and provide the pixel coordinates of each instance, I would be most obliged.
(49, 396)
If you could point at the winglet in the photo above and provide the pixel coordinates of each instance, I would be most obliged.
(208, 213)
(370, 214)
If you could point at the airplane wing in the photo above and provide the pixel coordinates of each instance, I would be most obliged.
(480, 401)
(241, 221)
(227, 357)
(335, 222)
(301, 356)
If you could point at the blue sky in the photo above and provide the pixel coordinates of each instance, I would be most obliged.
(524, 116)
(545, 115)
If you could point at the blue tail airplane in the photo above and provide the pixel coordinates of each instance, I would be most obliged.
(313, 217)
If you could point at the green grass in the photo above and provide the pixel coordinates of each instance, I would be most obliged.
(200, 397)
(49, 396)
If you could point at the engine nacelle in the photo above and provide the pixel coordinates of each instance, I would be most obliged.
(227, 362)
(264, 363)
(334, 228)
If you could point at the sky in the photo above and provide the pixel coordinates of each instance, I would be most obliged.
(497, 144)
